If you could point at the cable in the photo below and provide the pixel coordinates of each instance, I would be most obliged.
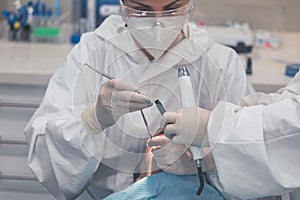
(201, 186)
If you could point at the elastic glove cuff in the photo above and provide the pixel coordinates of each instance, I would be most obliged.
(90, 121)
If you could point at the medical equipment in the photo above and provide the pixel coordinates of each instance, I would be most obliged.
(34, 21)
(146, 124)
(267, 40)
(160, 107)
(238, 36)
(88, 14)
(79, 20)
(147, 102)
(101, 73)
(188, 99)
(162, 110)
(91, 14)
(106, 8)
(249, 66)
(292, 69)
(19, 21)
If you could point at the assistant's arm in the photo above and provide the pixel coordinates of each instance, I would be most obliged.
(256, 148)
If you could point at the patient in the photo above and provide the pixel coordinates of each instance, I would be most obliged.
(153, 183)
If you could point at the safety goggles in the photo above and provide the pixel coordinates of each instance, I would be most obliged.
(131, 12)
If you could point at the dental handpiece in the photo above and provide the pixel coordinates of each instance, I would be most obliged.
(188, 99)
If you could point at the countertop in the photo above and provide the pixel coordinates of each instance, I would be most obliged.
(35, 63)
(30, 63)
(269, 65)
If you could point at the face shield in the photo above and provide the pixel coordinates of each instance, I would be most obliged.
(156, 31)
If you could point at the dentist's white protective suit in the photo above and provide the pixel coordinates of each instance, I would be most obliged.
(257, 148)
(67, 158)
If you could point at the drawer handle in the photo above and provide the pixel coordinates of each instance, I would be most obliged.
(17, 177)
(5, 141)
(15, 103)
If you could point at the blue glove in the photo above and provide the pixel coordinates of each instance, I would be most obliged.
(166, 186)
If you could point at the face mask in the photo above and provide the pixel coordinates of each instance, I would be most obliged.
(155, 34)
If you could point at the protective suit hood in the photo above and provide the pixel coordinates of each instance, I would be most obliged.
(190, 48)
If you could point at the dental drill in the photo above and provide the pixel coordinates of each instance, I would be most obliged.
(188, 99)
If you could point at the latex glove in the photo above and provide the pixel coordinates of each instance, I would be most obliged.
(170, 157)
(117, 98)
(188, 125)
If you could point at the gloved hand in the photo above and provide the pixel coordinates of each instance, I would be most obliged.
(188, 125)
(117, 98)
(170, 157)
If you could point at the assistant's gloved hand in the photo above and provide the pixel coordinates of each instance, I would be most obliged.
(188, 125)
(117, 98)
(170, 157)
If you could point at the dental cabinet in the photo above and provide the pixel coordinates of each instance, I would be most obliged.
(25, 69)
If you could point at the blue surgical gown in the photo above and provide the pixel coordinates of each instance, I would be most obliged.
(167, 186)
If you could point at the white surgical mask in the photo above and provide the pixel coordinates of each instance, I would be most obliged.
(156, 34)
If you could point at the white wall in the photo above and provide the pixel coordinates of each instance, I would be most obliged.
(268, 14)
(2, 6)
